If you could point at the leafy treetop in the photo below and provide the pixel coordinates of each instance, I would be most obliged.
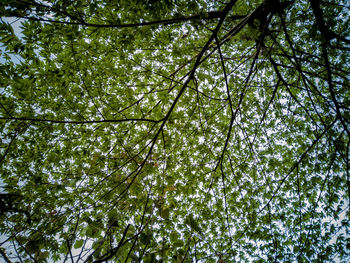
(175, 131)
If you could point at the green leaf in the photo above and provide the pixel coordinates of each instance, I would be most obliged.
(78, 243)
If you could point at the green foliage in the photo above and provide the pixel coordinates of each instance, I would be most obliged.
(174, 131)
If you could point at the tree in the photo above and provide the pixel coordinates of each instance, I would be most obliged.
(175, 131)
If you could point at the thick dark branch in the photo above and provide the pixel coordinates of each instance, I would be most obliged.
(321, 24)
(234, 31)
(325, 32)
(315, 5)
(3, 254)
(79, 122)
(208, 16)
(233, 113)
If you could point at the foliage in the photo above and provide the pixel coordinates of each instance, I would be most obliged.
(175, 131)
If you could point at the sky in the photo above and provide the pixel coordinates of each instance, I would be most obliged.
(15, 23)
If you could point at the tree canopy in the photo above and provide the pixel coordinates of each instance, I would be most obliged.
(175, 131)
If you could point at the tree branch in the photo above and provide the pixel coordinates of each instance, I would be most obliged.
(79, 122)
(321, 24)
(209, 16)
(3, 254)
(113, 251)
